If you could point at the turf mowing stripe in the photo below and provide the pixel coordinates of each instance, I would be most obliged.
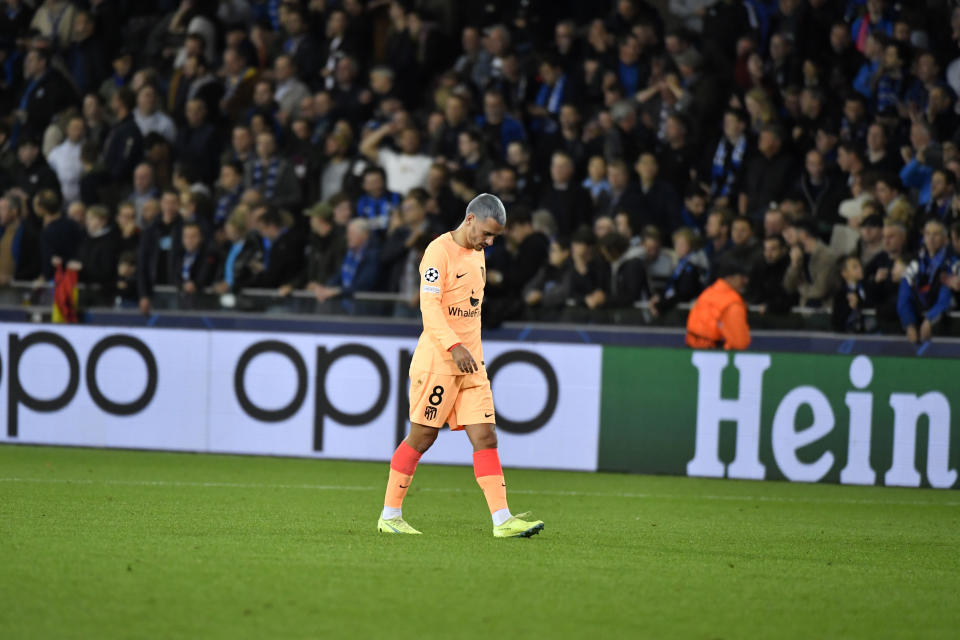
(533, 492)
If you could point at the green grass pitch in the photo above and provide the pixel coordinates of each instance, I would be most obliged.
(121, 544)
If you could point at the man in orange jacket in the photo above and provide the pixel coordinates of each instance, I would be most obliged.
(719, 316)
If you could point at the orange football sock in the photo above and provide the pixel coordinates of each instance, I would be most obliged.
(402, 467)
(486, 467)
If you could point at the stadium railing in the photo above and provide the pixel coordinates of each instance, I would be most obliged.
(37, 299)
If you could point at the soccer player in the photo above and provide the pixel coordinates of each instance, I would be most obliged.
(447, 385)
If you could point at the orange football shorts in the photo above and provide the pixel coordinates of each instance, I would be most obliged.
(437, 399)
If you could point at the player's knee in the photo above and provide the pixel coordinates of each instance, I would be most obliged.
(421, 438)
(486, 440)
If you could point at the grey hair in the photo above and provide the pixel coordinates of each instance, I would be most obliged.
(621, 110)
(487, 205)
(360, 224)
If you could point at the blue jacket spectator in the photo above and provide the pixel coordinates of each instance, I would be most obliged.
(498, 128)
(923, 299)
(361, 265)
(376, 202)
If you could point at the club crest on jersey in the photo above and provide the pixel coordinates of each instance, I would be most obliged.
(430, 413)
(431, 275)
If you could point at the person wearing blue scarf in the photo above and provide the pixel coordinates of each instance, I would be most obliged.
(686, 280)
(850, 299)
(727, 168)
(376, 203)
(550, 96)
(923, 300)
(360, 268)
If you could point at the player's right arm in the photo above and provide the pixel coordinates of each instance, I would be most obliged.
(434, 276)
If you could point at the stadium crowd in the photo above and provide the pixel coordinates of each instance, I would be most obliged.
(319, 145)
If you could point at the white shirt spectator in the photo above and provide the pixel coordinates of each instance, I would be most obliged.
(65, 162)
(404, 172)
(158, 122)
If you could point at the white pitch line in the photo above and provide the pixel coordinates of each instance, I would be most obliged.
(532, 492)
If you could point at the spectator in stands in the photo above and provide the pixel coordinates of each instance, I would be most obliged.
(890, 84)
(503, 184)
(194, 265)
(198, 142)
(889, 191)
(528, 180)
(942, 194)
(271, 174)
(697, 89)
(77, 211)
(871, 238)
(31, 173)
(686, 279)
(155, 258)
(656, 197)
(730, 158)
(301, 45)
(241, 146)
(54, 20)
(144, 189)
(376, 202)
(406, 168)
(99, 251)
(65, 159)
(626, 137)
(567, 201)
(880, 287)
(719, 316)
(822, 191)
(514, 262)
(744, 248)
(126, 222)
(550, 287)
(472, 158)
(289, 91)
(596, 181)
(623, 196)
(766, 282)
(60, 237)
(657, 262)
(360, 267)
(123, 148)
(239, 251)
(879, 159)
(446, 135)
(240, 78)
(336, 148)
(677, 155)
(409, 228)
(717, 233)
(283, 252)
(850, 299)
(693, 213)
(126, 280)
(770, 173)
(813, 266)
(325, 250)
(498, 127)
(149, 117)
(626, 281)
(46, 93)
(228, 193)
(923, 300)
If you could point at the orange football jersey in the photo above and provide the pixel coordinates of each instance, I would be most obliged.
(451, 292)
